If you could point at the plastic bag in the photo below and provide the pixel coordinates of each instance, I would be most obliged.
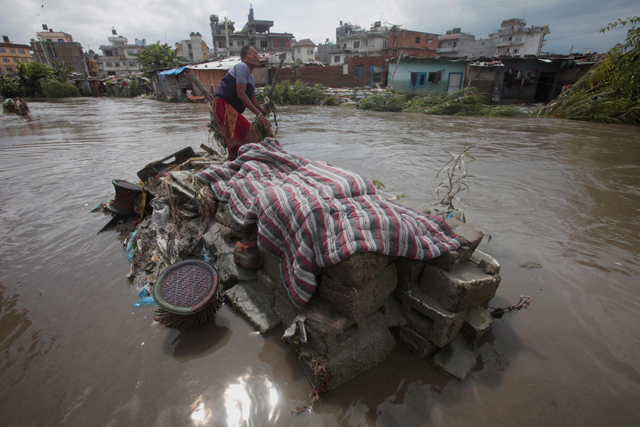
(161, 213)
(144, 301)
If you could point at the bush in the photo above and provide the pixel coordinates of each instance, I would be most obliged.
(383, 102)
(299, 93)
(55, 89)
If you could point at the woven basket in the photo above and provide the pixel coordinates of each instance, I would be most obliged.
(186, 287)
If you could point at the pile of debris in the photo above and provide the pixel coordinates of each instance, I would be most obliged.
(362, 306)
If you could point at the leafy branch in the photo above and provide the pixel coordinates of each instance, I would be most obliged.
(456, 173)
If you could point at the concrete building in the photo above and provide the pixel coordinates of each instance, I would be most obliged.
(456, 44)
(13, 54)
(194, 49)
(412, 43)
(227, 42)
(515, 39)
(118, 57)
(304, 51)
(427, 75)
(353, 41)
(59, 47)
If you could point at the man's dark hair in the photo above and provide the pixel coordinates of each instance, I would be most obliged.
(244, 50)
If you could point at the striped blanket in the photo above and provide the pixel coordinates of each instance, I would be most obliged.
(312, 215)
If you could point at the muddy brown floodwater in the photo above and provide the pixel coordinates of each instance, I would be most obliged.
(74, 352)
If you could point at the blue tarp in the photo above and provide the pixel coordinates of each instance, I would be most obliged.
(174, 71)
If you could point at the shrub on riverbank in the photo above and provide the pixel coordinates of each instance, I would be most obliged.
(299, 93)
(55, 89)
(465, 102)
(610, 91)
(384, 102)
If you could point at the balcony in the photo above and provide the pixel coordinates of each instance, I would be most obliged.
(448, 49)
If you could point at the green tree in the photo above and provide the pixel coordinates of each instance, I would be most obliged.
(28, 77)
(156, 56)
(61, 72)
(610, 91)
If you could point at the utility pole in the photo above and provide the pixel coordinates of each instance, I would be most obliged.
(226, 34)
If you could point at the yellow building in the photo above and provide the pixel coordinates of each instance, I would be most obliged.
(11, 55)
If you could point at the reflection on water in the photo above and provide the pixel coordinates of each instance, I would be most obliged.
(563, 194)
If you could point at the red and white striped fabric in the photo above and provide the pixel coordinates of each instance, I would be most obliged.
(312, 215)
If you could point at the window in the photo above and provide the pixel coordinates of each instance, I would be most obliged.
(108, 53)
(16, 60)
(3, 50)
(434, 77)
(25, 60)
(107, 64)
(344, 45)
(132, 64)
(13, 51)
(9, 68)
(366, 42)
(336, 58)
(516, 50)
(264, 43)
(503, 51)
(418, 80)
(6, 60)
(518, 39)
(356, 45)
(310, 52)
(418, 39)
(298, 50)
(130, 52)
(455, 44)
(242, 44)
(281, 43)
(60, 40)
(222, 44)
(358, 71)
(429, 42)
(117, 64)
(21, 51)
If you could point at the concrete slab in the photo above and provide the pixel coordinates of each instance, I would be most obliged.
(471, 239)
(266, 285)
(222, 252)
(409, 272)
(478, 323)
(251, 304)
(357, 270)
(429, 318)
(369, 349)
(327, 339)
(416, 342)
(487, 263)
(455, 359)
(457, 290)
(271, 267)
(358, 302)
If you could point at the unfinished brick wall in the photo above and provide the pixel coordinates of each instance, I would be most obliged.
(406, 41)
(332, 76)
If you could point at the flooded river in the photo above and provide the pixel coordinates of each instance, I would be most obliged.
(74, 352)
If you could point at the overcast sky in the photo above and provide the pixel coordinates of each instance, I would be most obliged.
(574, 24)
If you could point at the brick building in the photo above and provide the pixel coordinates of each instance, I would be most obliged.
(13, 54)
(354, 72)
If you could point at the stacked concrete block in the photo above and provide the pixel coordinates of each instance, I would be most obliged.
(437, 308)
(444, 302)
(428, 318)
(471, 238)
(365, 351)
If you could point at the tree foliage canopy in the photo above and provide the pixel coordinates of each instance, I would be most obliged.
(159, 56)
(610, 91)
